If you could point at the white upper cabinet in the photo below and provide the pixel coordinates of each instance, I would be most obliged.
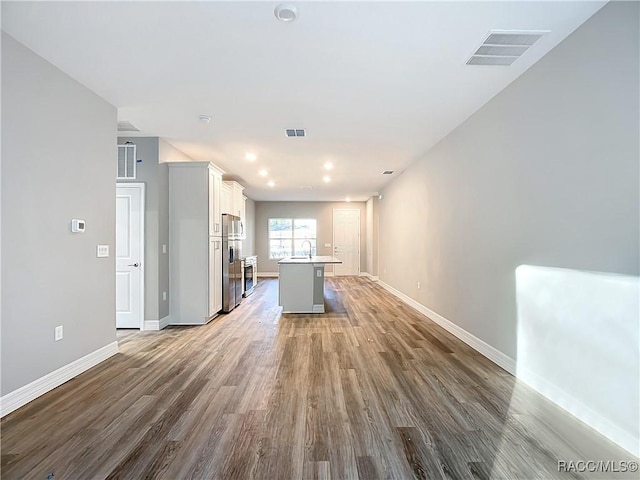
(225, 200)
(215, 206)
(235, 204)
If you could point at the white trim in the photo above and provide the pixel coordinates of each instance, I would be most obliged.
(579, 410)
(23, 395)
(492, 353)
(143, 262)
(157, 324)
(375, 278)
(329, 274)
(268, 274)
(333, 233)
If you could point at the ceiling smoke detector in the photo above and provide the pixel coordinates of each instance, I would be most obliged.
(285, 13)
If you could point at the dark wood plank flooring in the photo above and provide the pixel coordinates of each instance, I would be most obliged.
(370, 390)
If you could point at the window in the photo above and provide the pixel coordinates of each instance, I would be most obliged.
(290, 237)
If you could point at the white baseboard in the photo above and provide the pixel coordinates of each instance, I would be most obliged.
(157, 324)
(492, 353)
(329, 274)
(23, 395)
(268, 274)
(581, 411)
(373, 278)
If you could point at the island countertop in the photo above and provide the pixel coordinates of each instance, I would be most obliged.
(324, 259)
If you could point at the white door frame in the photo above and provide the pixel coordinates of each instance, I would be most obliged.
(333, 232)
(141, 187)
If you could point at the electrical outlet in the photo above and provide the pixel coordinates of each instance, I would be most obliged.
(57, 334)
(418, 285)
(164, 295)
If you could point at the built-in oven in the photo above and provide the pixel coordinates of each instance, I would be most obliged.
(250, 274)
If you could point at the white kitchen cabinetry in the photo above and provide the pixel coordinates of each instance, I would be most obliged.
(225, 194)
(196, 244)
(236, 204)
(215, 199)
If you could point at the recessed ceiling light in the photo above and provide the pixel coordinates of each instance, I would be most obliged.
(348, 199)
(286, 13)
(263, 173)
(205, 118)
(326, 179)
(271, 183)
(250, 156)
(328, 166)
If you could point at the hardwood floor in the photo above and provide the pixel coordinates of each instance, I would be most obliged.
(372, 389)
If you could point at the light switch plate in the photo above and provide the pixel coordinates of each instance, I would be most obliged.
(164, 248)
(57, 334)
(102, 251)
(327, 245)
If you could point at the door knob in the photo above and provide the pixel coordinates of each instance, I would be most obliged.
(134, 264)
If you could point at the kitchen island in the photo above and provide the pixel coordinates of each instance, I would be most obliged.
(301, 283)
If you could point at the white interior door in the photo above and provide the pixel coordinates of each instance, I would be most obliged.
(346, 241)
(129, 255)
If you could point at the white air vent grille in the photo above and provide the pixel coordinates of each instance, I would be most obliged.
(502, 48)
(127, 127)
(482, 60)
(126, 161)
(295, 132)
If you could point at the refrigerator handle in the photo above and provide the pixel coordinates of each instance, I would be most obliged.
(231, 255)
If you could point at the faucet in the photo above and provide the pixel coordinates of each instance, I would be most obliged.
(307, 241)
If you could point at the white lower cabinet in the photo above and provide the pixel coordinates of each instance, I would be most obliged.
(215, 275)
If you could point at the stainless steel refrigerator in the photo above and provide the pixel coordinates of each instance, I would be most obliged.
(231, 266)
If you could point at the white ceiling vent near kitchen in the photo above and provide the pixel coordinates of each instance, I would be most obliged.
(127, 127)
(295, 132)
(503, 47)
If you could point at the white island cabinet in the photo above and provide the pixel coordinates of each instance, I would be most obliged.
(301, 283)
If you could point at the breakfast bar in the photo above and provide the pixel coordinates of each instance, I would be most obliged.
(301, 283)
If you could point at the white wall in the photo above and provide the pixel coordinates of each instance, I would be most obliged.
(58, 163)
(545, 174)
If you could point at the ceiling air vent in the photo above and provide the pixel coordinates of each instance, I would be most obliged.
(295, 132)
(127, 127)
(503, 47)
(387, 172)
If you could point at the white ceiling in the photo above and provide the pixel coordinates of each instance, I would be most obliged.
(376, 84)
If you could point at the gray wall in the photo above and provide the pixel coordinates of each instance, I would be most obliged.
(166, 153)
(153, 171)
(147, 172)
(544, 174)
(51, 276)
(322, 211)
(249, 244)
